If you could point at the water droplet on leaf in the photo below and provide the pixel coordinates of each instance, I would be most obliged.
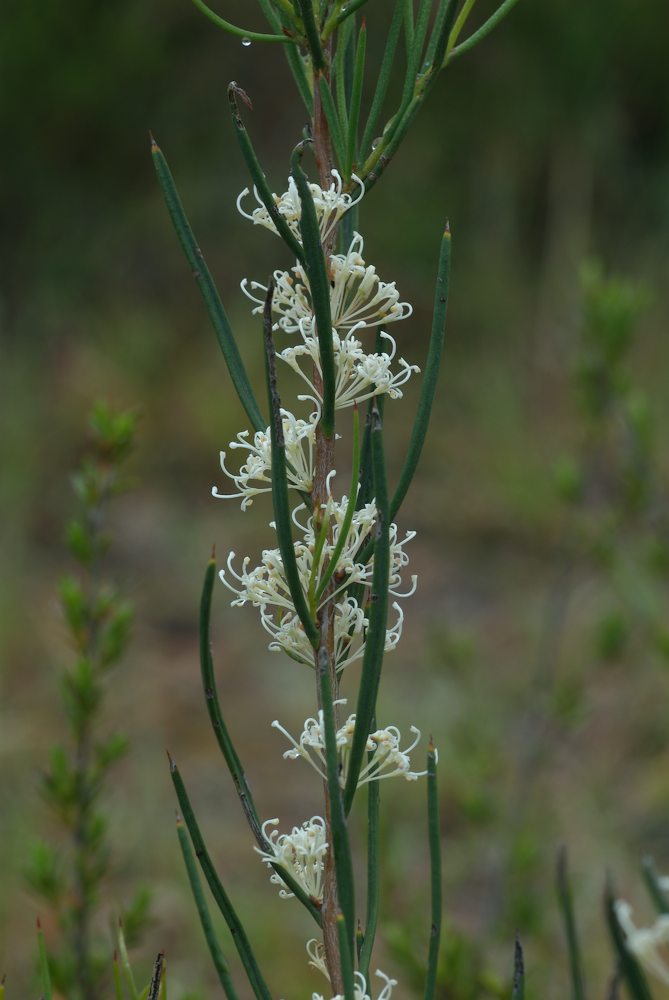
(246, 42)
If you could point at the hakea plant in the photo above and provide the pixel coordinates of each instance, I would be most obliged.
(329, 585)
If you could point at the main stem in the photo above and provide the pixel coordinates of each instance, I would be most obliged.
(324, 464)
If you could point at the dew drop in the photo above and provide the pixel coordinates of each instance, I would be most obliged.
(376, 141)
(246, 42)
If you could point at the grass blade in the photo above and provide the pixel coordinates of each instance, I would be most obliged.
(116, 972)
(217, 956)
(434, 839)
(222, 899)
(280, 483)
(629, 968)
(567, 909)
(44, 974)
(319, 287)
(257, 174)
(125, 962)
(378, 614)
(207, 288)
(431, 375)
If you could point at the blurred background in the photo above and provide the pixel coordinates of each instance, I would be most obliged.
(541, 671)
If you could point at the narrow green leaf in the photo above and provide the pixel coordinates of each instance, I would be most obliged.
(116, 972)
(280, 482)
(345, 42)
(567, 909)
(518, 991)
(630, 969)
(434, 840)
(340, 16)
(430, 376)
(340, 843)
(356, 98)
(319, 287)
(125, 962)
(385, 72)
(335, 125)
(221, 733)
(346, 958)
(222, 899)
(311, 31)
(657, 893)
(257, 174)
(207, 288)
(375, 638)
(44, 974)
(233, 29)
(350, 509)
(485, 29)
(217, 956)
(443, 25)
(372, 915)
(460, 22)
(226, 745)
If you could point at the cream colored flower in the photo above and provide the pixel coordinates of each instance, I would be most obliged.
(301, 852)
(385, 757)
(330, 203)
(255, 474)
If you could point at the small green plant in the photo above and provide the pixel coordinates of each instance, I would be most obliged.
(67, 872)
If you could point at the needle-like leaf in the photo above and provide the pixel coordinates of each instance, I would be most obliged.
(434, 839)
(630, 969)
(217, 956)
(319, 287)
(258, 176)
(375, 638)
(567, 908)
(280, 482)
(430, 375)
(340, 843)
(207, 288)
(222, 899)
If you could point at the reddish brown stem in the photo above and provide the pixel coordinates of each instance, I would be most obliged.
(324, 464)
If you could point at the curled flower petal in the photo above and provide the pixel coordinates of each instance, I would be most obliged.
(301, 852)
(331, 204)
(386, 759)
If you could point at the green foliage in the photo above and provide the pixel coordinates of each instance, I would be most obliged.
(68, 878)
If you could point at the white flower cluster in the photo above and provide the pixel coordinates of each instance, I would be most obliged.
(266, 587)
(386, 759)
(316, 953)
(301, 852)
(330, 204)
(359, 301)
(647, 944)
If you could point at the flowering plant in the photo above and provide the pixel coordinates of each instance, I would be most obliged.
(329, 585)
